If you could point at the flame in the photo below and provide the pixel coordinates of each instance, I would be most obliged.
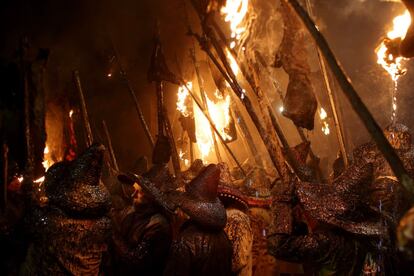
(235, 12)
(325, 125)
(323, 115)
(182, 98)
(47, 160)
(20, 179)
(325, 128)
(71, 113)
(40, 180)
(220, 114)
(219, 110)
(233, 64)
(390, 61)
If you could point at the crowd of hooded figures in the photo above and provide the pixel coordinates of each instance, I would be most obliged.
(152, 223)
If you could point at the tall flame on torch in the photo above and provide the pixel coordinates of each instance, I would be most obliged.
(388, 54)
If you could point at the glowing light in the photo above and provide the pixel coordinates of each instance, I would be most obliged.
(182, 98)
(325, 125)
(323, 115)
(235, 12)
(220, 114)
(219, 110)
(233, 64)
(325, 128)
(47, 160)
(20, 179)
(109, 75)
(71, 113)
(388, 54)
(281, 109)
(387, 58)
(40, 180)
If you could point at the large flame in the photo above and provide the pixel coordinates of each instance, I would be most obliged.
(388, 59)
(219, 110)
(235, 12)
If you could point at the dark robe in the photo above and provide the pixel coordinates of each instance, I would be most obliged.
(141, 241)
(200, 252)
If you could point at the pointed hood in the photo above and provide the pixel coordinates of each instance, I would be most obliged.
(200, 201)
(341, 204)
(75, 186)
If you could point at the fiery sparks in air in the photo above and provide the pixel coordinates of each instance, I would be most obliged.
(387, 57)
(219, 110)
(324, 118)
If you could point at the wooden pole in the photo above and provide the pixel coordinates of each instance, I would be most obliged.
(174, 154)
(111, 149)
(359, 107)
(131, 91)
(85, 117)
(266, 135)
(337, 122)
(214, 128)
(204, 99)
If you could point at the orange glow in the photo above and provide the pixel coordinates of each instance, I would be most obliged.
(219, 110)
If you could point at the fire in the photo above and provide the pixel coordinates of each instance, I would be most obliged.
(182, 98)
(387, 58)
(235, 12)
(325, 125)
(388, 54)
(233, 64)
(219, 110)
(40, 180)
(71, 113)
(47, 160)
(325, 128)
(205, 141)
(323, 115)
(220, 114)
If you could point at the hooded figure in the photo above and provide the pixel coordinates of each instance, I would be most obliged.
(70, 233)
(238, 227)
(346, 227)
(201, 247)
(142, 234)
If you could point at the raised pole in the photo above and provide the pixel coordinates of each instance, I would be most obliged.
(85, 117)
(359, 107)
(204, 99)
(338, 126)
(111, 149)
